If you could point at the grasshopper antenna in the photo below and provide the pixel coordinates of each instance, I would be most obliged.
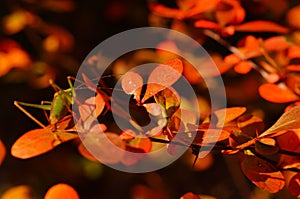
(16, 103)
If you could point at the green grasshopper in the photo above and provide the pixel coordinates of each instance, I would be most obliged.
(59, 107)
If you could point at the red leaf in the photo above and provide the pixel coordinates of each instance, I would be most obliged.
(261, 26)
(163, 76)
(277, 94)
(2, 152)
(164, 11)
(262, 174)
(230, 12)
(61, 190)
(243, 67)
(294, 52)
(293, 68)
(202, 23)
(294, 185)
(200, 7)
(108, 148)
(190, 195)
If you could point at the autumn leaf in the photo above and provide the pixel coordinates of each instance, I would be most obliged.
(288, 120)
(226, 115)
(107, 147)
(261, 26)
(262, 174)
(163, 76)
(294, 185)
(277, 94)
(61, 191)
(39, 141)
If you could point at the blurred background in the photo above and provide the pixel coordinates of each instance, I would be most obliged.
(48, 39)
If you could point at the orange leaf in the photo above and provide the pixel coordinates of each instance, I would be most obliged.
(132, 83)
(288, 120)
(294, 52)
(243, 67)
(230, 12)
(164, 11)
(277, 94)
(228, 114)
(200, 7)
(163, 76)
(61, 190)
(294, 185)
(190, 195)
(34, 143)
(2, 152)
(276, 43)
(232, 59)
(108, 147)
(143, 143)
(293, 68)
(261, 26)
(202, 23)
(39, 141)
(262, 174)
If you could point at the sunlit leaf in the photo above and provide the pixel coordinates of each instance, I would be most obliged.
(226, 115)
(277, 94)
(262, 174)
(293, 67)
(18, 192)
(276, 43)
(202, 23)
(34, 143)
(39, 141)
(164, 11)
(250, 125)
(190, 195)
(200, 7)
(293, 82)
(132, 84)
(2, 152)
(108, 147)
(292, 17)
(91, 109)
(288, 120)
(61, 191)
(230, 12)
(261, 26)
(142, 143)
(294, 185)
(163, 76)
(243, 67)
